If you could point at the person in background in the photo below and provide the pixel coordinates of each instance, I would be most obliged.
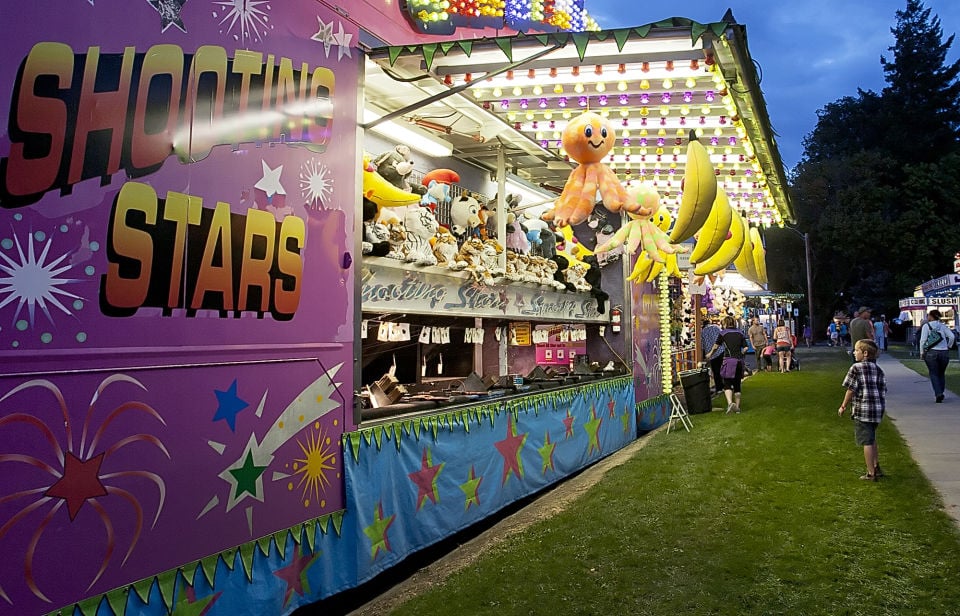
(808, 335)
(936, 356)
(867, 388)
(768, 353)
(861, 327)
(833, 333)
(842, 333)
(736, 345)
(712, 354)
(880, 333)
(758, 339)
(784, 341)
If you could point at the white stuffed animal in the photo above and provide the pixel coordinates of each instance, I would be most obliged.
(465, 216)
(420, 225)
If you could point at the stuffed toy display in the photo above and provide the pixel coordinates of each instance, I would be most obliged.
(444, 247)
(516, 235)
(593, 277)
(384, 194)
(396, 166)
(464, 216)
(435, 195)
(376, 236)
(420, 226)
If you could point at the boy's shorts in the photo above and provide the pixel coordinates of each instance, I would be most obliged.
(865, 432)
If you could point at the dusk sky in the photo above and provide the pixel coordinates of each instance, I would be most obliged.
(811, 53)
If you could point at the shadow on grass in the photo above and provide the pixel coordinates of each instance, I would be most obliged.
(757, 513)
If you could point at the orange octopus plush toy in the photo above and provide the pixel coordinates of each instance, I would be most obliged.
(587, 139)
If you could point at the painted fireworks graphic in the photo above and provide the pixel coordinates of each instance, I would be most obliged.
(244, 20)
(34, 278)
(244, 474)
(316, 186)
(73, 496)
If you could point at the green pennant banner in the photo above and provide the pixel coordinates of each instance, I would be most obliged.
(407, 427)
(209, 567)
(465, 420)
(506, 46)
(466, 46)
(434, 426)
(446, 46)
(229, 558)
(417, 424)
(367, 435)
(280, 538)
(310, 534)
(354, 439)
(246, 559)
(190, 573)
(89, 606)
(337, 518)
(429, 51)
(642, 31)
(264, 544)
(118, 600)
(168, 583)
(696, 31)
(378, 436)
(297, 533)
(394, 52)
(324, 523)
(397, 434)
(718, 28)
(142, 588)
(543, 38)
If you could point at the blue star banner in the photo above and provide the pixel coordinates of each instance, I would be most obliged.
(413, 483)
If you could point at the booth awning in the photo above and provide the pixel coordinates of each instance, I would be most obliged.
(659, 84)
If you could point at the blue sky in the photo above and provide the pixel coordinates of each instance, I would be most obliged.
(811, 53)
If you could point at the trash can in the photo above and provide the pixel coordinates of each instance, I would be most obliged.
(696, 390)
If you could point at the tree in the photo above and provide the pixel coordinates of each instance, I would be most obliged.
(921, 87)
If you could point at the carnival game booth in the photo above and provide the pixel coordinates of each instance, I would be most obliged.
(182, 193)
(942, 293)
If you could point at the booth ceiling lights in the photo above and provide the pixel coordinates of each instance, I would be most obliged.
(659, 86)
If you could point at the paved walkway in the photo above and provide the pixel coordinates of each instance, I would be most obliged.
(932, 431)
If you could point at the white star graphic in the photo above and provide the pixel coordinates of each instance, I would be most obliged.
(342, 39)
(324, 35)
(270, 182)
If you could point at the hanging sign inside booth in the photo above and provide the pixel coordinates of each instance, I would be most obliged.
(520, 334)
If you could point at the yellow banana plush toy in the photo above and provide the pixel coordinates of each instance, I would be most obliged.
(759, 257)
(377, 189)
(715, 230)
(699, 192)
(727, 252)
(744, 260)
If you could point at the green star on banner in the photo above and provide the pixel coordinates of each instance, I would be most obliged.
(593, 431)
(625, 418)
(377, 532)
(546, 453)
(187, 603)
(247, 476)
(426, 479)
(510, 448)
(295, 575)
(470, 489)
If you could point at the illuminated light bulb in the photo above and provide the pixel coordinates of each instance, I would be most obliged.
(690, 82)
(644, 111)
(718, 131)
(517, 90)
(660, 143)
(558, 89)
(624, 113)
(681, 133)
(530, 115)
(662, 133)
(705, 110)
(605, 113)
(688, 97)
(542, 104)
(477, 93)
(667, 83)
(578, 88)
(547, 114)
(714, 140)
(621, 68)
(524, 103)
(504, 104)
(497, 92)
(643, 143)
(544, 144)
(664, 110)
(598, 69)
(562, 101)
(601, 87)
(698, 132)
(665, 98)
(512, 116)
(621, 85)
(567, 114)
(602, 100)
(645, 67)
(538, 135)
(575, 71)
(644, 84)
(625, 134)
(532, 73)
(556, 135)
(537, 90)
(732, 141)
(582, 101)
(644, 99)
(709, 96)
(624, 99)
(553, 71)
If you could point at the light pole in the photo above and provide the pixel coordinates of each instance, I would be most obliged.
(806, 251)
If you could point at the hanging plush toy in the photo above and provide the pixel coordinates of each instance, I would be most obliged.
(587, 139)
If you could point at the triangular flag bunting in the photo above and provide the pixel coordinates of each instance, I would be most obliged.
(118, 600)
(718, 28)
(407, 427)
(429, 51)
(397, 433)
(209, 567)
(543, 38)
(434, 426)
(324, 523)
(378, 436)
(506, 46)
(367, 435)
(310, 533)
(190, 573)
(417, 424)
(354, 439)
(142, 588)
(88, 607)
(264, 544)
(246, 559)
(446, 46)
(168, 583)
(280, 538)
(466, 46)
(297, 533)
(394, 52)
(337, 521)
(229, 558)
(601, 35)
(465, 420)
(696, 31)
(642, 31)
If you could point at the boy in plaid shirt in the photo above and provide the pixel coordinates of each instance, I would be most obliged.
(867, 388)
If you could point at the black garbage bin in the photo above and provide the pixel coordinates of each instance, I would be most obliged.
(696, 390)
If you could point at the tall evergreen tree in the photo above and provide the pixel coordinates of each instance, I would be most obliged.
(922, 91)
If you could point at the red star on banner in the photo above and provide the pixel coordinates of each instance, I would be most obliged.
(611, 406)
(509, 448)
(295, 576)
(80, 482)
(568, 424)
(426, 479)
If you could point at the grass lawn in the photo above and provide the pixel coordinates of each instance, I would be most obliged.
(757, 513)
